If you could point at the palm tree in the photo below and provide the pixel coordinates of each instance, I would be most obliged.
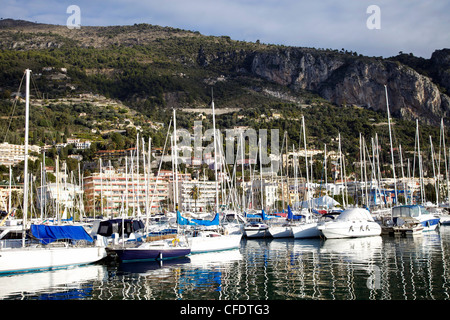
(195, 194)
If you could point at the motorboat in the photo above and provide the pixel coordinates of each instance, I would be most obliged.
(351, 223)
(407, 226)
(427, 220)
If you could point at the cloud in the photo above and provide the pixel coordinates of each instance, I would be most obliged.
(413, 26)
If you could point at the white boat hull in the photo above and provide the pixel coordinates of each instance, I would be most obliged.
(257, 233)
(345, 229)
(30, 259)
(209, 244)
(280, 231)
(306, 230)
(256, 230)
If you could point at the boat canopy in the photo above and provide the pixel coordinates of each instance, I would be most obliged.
(107, 227)
(355, 214)
(197, 222)
(413, 211)
(48, 234)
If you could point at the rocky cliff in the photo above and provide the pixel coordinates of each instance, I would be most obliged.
(360, 81)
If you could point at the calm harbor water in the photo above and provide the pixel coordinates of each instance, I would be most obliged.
(377, 268)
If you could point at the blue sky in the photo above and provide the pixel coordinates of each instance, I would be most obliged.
(419, 27)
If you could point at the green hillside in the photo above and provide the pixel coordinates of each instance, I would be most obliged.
(149, 70)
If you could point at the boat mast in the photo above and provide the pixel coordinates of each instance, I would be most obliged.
(25, 170)
(306, 161)
(422, 191)
(445, 158)
(242, 170)
(434, 172)
(215, 151)
(261, 176)
(175, 158)
(390, 139)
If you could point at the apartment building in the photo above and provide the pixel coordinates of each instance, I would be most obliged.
(12, 154)
(111, 192)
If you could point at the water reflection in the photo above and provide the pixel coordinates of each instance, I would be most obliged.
(61, 284)
(377, 268)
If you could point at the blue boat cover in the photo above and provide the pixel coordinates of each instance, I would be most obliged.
(197, 222)
(262, 216)
(292, 216)
(48, 234)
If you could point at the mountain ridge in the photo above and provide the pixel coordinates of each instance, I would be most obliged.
(417, 87)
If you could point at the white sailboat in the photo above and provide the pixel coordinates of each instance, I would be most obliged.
(54, 254)
(308, 226)
(257, 227)
(205, 235)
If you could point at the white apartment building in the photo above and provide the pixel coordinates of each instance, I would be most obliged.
(206, 196)
(67, 195)
(12, 154)
(270, 194)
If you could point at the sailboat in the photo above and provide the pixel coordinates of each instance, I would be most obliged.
(257, 226)
(48, 252)
(207, 235)
(308, 225)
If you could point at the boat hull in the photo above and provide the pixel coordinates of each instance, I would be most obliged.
(306, 230)
(210, 244)
(337, 230)
(430, 224)
(257, 233)
(280, 231)
(138, 254)
(256, 230)
(41, 258)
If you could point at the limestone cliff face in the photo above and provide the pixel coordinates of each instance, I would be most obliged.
(360, 81)
(440, 65)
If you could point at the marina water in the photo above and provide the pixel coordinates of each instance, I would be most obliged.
(373, 268)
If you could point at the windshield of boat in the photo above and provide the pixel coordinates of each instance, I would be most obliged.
(407, 211)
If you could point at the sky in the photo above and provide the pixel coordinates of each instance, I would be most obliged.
(410, 26)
